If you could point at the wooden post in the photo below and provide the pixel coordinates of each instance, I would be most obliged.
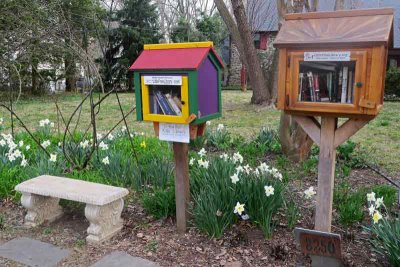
(326, 174)
(182, 192)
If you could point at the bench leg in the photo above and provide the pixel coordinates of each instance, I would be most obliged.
(40, 209)
(105, 221)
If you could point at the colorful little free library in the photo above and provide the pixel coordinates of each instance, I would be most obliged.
(178, 83)
(334, 63)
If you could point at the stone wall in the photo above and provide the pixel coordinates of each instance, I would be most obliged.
(236, 65)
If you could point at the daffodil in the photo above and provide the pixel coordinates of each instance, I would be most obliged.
(103, 146)
(220, 127)
(24, 163)
(378, 202)
(371, 197)
(235, 178)
(143, 144)
(202, 152)
(237, 158)
(105, 161)
(269, 190)
(239, 208)
(376, 217)
(53, 157)
(203, 163)
(191, 161)
(371, 210)
(45, 144)
(310, 192)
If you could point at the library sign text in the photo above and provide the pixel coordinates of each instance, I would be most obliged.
(327, 56)
(163, 80)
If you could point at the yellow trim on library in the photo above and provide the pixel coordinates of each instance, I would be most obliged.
(147, 116)
(178, 45)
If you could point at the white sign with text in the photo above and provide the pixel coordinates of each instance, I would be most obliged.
(163, 80)
(327, 56)
(174, 132)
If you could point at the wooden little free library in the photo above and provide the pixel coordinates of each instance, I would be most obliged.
(334, 63)
(178, 83)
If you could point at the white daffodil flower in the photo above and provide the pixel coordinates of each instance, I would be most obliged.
(105, 161)
(235, 178)
(371, 197)
(310, 192)
(239, 208)
(53, 157)
(269, 190)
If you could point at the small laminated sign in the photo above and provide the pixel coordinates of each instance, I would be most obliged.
(163, 80)
(174, 132)
(327, 56)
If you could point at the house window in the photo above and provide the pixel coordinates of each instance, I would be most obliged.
(257, 39)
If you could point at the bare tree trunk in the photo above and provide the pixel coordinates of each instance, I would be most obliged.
(232, 28)
(296, 144)
(257, 80)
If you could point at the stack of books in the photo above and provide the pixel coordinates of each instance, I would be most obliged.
(326, 83)
(165, 103)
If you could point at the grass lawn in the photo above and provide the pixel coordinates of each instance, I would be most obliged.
(380, 138)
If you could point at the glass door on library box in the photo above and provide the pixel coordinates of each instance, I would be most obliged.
(165, 98)
(326, 81)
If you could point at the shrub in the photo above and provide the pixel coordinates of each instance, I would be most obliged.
(349, 204)
(392, 83)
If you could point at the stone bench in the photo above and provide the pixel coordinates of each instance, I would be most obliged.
(104, 203)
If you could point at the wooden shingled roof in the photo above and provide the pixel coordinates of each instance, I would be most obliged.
(341, 28)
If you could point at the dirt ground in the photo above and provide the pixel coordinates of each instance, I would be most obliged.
(157, 240)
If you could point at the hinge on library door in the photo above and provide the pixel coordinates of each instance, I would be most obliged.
(287, 100)
(288, 62)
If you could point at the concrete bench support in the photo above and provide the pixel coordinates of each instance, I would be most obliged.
(40, 209)
(104, 203)
(105, 220)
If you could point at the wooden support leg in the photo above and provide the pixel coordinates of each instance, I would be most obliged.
(182, 193)
(326, 172)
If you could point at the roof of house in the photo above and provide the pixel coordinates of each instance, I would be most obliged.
(348, 27)
(270, 21)
(179, 56)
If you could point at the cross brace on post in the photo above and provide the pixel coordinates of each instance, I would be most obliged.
(328, 137)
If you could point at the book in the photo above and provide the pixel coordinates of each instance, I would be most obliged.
(311, 86)
(329, 85)
(316, 88)
(163, 102)
(350, 88)
(177, 101)
(344, 85)
(301, 94)
(173, 105)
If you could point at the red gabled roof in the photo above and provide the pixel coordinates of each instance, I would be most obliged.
(173, 59)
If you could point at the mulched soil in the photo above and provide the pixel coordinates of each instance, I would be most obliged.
(157, 240)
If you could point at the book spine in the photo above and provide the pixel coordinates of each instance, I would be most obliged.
(350, 88)
(300, 98)
(316, 88)
(344, 85)
(173, 105)
(162, 100)
(178, 102)
(311, 88)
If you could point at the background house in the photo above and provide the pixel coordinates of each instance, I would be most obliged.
(264, 20)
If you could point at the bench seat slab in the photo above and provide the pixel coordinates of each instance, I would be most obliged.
(40, 209)
(105, 221)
